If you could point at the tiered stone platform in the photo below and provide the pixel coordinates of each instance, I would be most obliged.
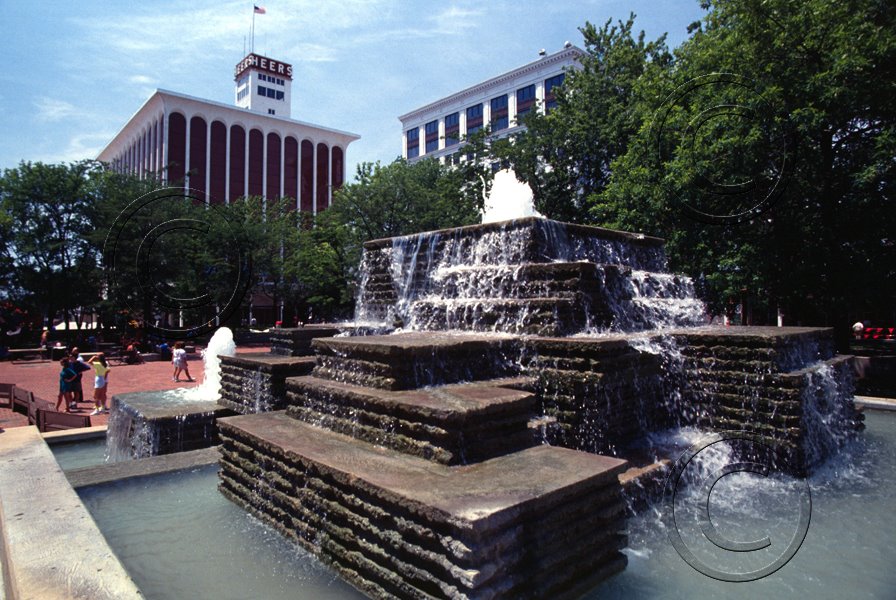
(450, 424)
(414, 463)
(541, 523)
(411, 360)
(255, 382)
(435, 491)
(528, 276)
(763, 380)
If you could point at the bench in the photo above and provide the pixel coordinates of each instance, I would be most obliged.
(35, 407)
(6, 393)
(21, 400)
(20, 353)
(50, 420)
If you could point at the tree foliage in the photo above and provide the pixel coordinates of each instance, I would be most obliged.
(762, 149)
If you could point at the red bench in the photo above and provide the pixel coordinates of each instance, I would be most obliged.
(878, 333)
(50, 420)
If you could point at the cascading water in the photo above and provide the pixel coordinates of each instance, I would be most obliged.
(136, 420)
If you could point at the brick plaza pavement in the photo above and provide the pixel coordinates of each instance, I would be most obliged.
(42, 378)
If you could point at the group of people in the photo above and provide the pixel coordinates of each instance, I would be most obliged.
(71, 390)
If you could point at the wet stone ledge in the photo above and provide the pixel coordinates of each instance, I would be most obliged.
(253, 383)
(452, 424)
(543, 522)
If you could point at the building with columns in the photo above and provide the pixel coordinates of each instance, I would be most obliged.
(436, 129)
(228, 151)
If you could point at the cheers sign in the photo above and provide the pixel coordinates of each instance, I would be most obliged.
(265, 64)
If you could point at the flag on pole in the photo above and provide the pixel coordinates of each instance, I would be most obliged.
(259, 10)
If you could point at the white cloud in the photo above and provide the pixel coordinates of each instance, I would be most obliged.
(51, 109)
(143, 79)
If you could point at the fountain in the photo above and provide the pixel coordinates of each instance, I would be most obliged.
(145, 424)
(480, 450)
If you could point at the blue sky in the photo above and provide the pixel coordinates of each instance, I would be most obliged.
(74, 72)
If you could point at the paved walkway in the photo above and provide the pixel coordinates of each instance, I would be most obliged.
(42, 378)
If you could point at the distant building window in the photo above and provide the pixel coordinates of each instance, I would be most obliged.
(474, 119)
(452, 129)
(271, 111)
(432, 136)
(499, 118)
(262, 91)
(413, 137)
(279, 95)
(550, 100)
(525, 100)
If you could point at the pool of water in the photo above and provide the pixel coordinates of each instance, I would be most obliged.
(178, 537)
(848, 551)
(74, 455)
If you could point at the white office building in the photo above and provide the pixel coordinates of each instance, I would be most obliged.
(436, 129)
(227, 151)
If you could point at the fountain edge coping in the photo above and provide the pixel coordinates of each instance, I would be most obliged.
(51, 546)
(636, 238)
(153, 465)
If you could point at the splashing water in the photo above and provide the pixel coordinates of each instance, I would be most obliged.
(509, 199)
(221, 344)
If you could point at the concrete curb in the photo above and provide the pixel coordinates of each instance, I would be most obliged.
(888, 404)
(50, 545)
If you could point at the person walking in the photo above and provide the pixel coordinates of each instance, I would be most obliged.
(179, 360)
(100, 383)
(67, 378)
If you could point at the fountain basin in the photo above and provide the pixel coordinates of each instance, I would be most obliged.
(145, 424)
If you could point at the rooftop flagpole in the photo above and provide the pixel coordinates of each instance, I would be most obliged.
(256, 10)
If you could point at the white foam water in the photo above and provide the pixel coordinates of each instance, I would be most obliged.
(509, 199)
(221, 344)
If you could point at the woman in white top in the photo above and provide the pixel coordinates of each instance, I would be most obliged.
(179, 360)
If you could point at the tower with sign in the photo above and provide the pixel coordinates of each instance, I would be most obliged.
(263, 85)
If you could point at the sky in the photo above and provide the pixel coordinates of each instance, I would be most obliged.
(75, 72)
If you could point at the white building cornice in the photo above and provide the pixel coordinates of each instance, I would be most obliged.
(498, 82)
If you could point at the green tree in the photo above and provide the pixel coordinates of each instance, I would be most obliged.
(566, 155)
(49, 212)
(813, 130)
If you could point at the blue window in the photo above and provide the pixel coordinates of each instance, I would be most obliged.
(279, 95)
(550, 100)
(413, 137)
(499, 118)
(452, 129)
(432, 136)
(474, 119)
(262, 91)
(525, 100)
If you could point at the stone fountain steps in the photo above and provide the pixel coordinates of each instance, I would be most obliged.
(601, 393)
(759, 380)
(532, 316)
(412, 360)
(542, 522)
(766, 349)
(451, 424)
(253, 383)
(296, 341)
